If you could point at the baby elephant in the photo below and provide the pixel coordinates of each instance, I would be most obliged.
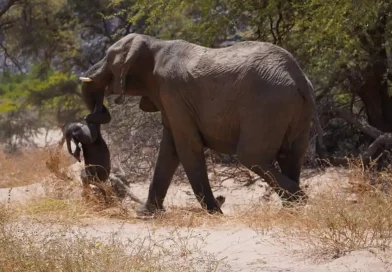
(95, 150)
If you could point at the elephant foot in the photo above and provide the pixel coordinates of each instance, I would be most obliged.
(298, 199)
(221, 200)
(215, 211)
(216, 207)
(149, 210)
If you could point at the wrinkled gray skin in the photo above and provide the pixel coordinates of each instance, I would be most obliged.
(251, 99)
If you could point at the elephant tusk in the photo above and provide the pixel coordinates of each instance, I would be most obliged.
(85, 79)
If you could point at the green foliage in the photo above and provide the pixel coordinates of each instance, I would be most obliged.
(39, 30)
(53, 93)
(343, 45)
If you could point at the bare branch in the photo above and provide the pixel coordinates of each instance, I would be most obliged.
(106, 31)
(272, 29)
(362, 125)
(127, 28)
(277, 26)
(385, 139)
(10, 57)
(6, 24)
(7, 7)
(381, 139)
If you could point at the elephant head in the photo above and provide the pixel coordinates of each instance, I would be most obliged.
(71, 134)
(127, 68)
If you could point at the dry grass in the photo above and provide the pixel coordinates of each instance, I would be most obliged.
(34, 246)
(26, 167)
(336, 225)
(339, 219)
(79, 211)
(63, 203)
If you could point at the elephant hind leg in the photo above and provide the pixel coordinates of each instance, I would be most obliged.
(285, 187)
(258, 157)
(290, 160)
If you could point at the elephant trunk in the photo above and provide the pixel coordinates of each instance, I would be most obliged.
(68, 140)
(91, 96)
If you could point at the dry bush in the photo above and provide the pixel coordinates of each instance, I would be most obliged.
(64, 190)
(34, 246)
(367, 179)
(75, 211)
(134, 137)
(25, 167)
(338, 219)
(60, 182)
(337, 225)
(63, 200)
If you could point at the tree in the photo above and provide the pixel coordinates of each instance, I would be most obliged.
(42, 43)
(343, 45)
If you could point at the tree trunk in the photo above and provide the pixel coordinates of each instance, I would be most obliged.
(378, 104)
(372, 84)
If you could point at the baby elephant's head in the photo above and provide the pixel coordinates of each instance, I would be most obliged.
(70, 134)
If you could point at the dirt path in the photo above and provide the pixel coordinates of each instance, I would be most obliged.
(234, 249)
(242, 249)
(238, 247)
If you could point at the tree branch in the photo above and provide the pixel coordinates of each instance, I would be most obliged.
(10, 57)
(277, 26)
(6, 24)
(272, 29)
(7, 7)
(357, 122)
(106, 31)
(385, 139)
(380, 138)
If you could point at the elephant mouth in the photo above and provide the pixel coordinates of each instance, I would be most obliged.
(133, 86)
(109, 92)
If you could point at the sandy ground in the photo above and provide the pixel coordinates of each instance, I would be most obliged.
(238, 247)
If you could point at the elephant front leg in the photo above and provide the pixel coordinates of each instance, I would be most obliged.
(165, 168)
(190, 150)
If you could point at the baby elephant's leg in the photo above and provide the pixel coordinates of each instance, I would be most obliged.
(87, 180)
(100, 187)
(86, 184)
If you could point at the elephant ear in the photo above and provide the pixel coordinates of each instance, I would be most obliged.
(147, 105)
(125, 58)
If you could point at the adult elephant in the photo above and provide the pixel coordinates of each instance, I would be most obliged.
(251, 99)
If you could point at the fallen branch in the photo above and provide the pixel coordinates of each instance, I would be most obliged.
(380, 138)
(384, 139)
(357, 122)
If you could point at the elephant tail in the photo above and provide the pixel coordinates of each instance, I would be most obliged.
(307, 91)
